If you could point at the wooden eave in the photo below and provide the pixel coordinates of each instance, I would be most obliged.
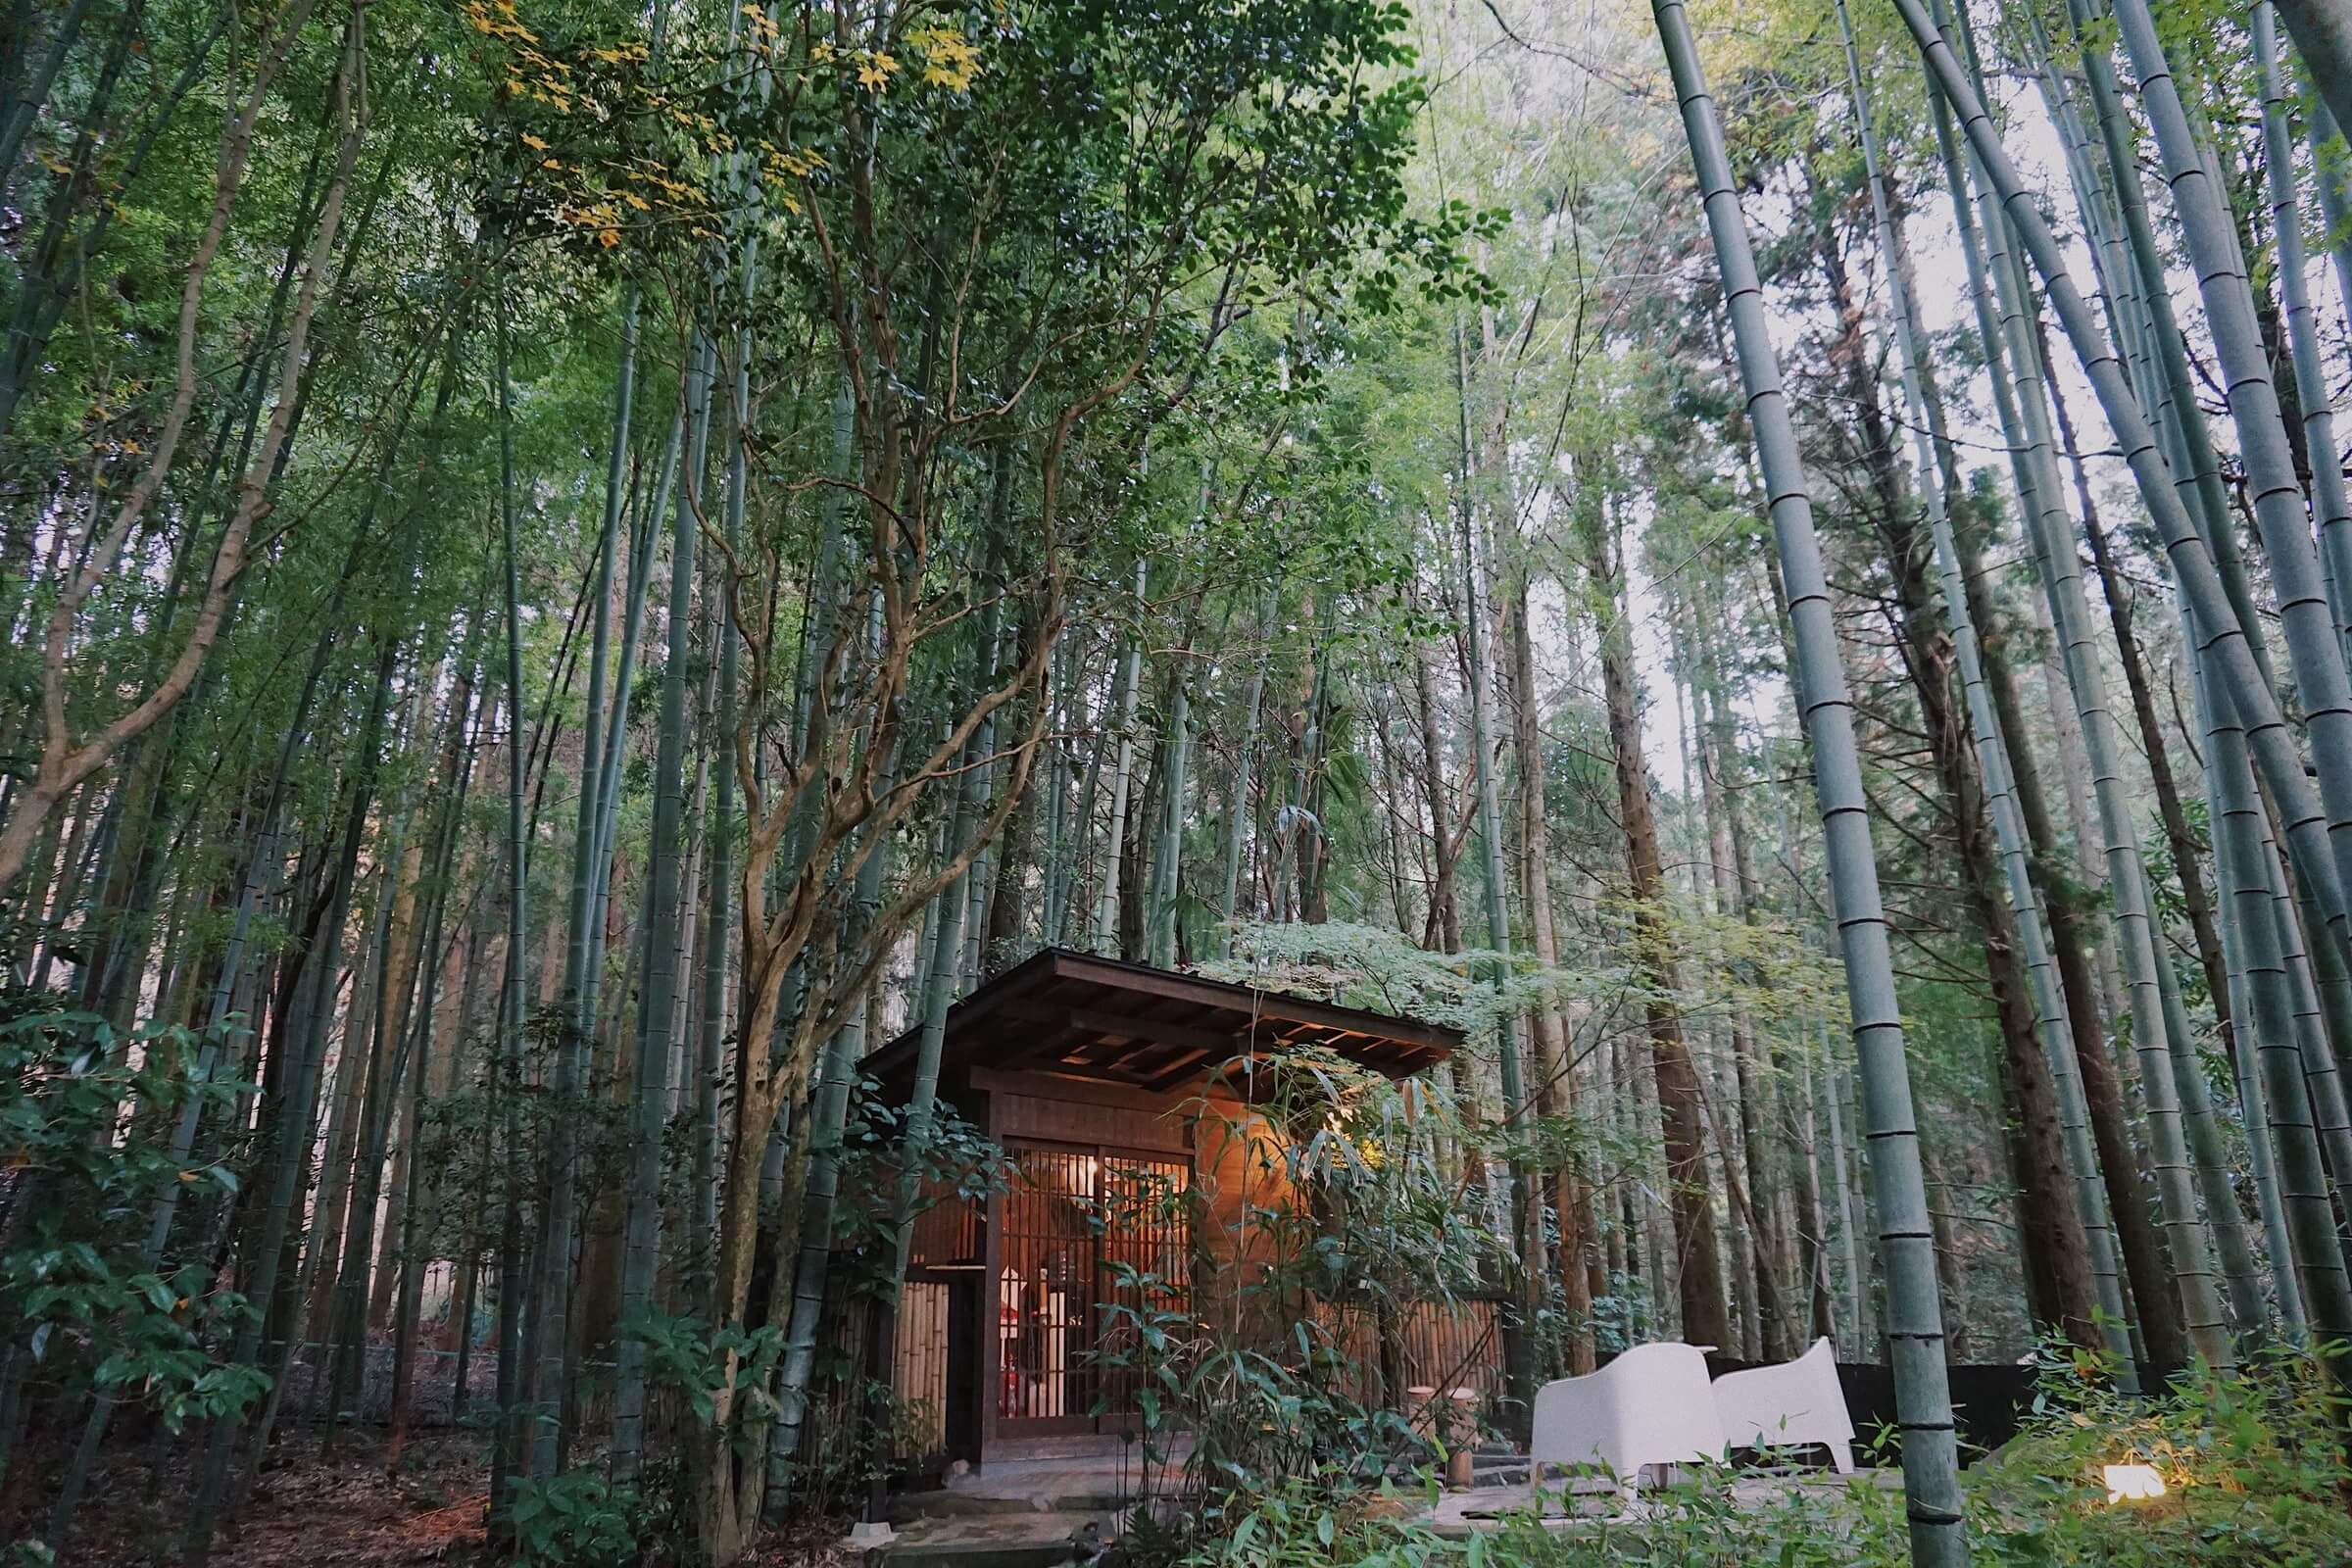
(1102, 1020)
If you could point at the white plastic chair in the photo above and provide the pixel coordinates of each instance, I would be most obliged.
(1794, 1402)
(1649, 1406)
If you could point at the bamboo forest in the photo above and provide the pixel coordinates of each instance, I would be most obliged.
(1049, 783)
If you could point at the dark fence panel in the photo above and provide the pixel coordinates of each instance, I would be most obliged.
(1989, 1403)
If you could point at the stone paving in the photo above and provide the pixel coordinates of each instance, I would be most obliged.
(1032, 1513)
(1460, 1513)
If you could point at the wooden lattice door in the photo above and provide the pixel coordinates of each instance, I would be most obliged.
(1072, 1216)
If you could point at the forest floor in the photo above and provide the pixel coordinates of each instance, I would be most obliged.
(342, 1511)
(308, 1511)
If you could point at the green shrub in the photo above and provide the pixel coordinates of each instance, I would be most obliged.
(87, 1116)
(578, 1519)
(2253, 1462)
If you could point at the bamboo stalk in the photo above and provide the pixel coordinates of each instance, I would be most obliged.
(1915, 1321)
(2052, 1022)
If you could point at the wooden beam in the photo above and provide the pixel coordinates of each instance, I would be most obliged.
(1124, 1026)
(1186, 1065)
(1049, 1082)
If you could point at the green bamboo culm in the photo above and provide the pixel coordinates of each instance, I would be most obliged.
(1238, 816)
(2051, 1021)
(1527, 1217)
(2322, 33)
(2276, 758)
(2327, 160)
(1125, 692)
(2050, 532)
(2253, 1105)
(2190, 451)
(2314, 1265)
(2139, 305)
(1906, 1242)
(641, 1238)
(1166, 882)
(2131, 1202)
(2322, 681)
(2331, 505)
(828, 1115)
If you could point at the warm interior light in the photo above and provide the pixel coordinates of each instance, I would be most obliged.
(2131, 1482)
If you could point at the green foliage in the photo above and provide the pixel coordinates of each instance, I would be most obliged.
(2252, 1461)
(1692, 1524)
(85, 1119)
(1352, 1212)
(959, 1165)
(1386, 972)
(580, 1519)
(699, 1363)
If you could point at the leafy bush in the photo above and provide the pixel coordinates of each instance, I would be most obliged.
(2252, 1459)
(86, 1118)
(578, 1519)
(2253, 1464)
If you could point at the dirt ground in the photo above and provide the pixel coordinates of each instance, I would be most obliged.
(342, 1513)
(307, 1511)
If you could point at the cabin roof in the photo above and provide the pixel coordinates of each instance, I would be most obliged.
(1076, 1015)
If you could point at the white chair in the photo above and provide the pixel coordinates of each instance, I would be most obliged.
(1649, 1406)
(1795, 1402)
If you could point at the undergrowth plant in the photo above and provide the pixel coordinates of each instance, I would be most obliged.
(88, 1302)
(2252, 1460)
(1344, 1204)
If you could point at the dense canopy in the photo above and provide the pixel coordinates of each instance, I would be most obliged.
(1776, 577)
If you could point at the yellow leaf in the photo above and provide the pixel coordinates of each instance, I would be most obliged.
(533, 142)
(950, 60)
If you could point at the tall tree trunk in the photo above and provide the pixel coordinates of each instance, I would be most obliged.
(1127, 694)
(1238, 808)
(509, 1446)
(2317, 1257)
(641, 1248)
(2144, 1253)
(2322, 33)
(2061, 1271)
(2277, 759)
(1705, 1320)
(1923, 1397)
(296, 1113)
(2331, 505)
(1554, 1090)
(1444, 896)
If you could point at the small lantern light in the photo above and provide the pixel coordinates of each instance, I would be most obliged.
(2134, 1483)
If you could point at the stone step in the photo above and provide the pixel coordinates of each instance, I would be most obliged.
(1027, 1539)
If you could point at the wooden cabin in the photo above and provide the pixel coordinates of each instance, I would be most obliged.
(1111, 1086)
